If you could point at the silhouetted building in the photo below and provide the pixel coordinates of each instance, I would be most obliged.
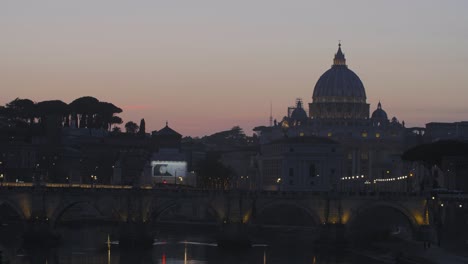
(300, 163)
(167, 164)
(441, 131)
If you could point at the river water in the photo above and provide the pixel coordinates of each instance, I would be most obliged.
(191, 245)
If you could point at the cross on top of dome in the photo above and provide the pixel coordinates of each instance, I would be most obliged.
(339, 57)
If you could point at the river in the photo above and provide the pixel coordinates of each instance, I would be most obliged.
(190, 245)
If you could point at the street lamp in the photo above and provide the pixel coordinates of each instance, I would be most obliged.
(1, 179)
(94, 179)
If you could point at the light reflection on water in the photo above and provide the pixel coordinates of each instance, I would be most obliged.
(93, 245)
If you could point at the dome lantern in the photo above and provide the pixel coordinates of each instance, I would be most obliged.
(339, 59)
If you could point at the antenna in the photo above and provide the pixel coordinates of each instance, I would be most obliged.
(271, 113)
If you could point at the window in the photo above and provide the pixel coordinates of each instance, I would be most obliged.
(377, 135)
(364, 156)
(364, 134)
(312, 170)
(291, 172)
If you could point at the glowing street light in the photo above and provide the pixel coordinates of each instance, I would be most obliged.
(278, 182)
(94, 179)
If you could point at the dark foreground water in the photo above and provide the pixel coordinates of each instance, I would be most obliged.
(174, 245)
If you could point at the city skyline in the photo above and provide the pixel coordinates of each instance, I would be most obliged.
(209, 66)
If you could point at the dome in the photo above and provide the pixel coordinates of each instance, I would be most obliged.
(339, 84)
(299, 114)
(379, 113)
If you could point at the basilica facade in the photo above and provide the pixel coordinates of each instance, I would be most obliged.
(371, 142)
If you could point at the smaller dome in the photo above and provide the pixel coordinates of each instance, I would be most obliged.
(299, 114)
(379, 113)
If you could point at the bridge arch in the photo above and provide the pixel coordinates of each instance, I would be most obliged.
(286, 213)
(13, 206)
(65, 207)
(381, 219)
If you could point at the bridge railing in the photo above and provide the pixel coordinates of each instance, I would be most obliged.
(192, 190)
(16, 184)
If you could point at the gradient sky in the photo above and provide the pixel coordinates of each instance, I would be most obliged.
(209, 65)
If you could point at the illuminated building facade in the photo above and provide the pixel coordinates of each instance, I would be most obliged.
(372, 144)
(168, 163)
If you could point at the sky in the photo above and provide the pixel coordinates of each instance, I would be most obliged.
(206, 66)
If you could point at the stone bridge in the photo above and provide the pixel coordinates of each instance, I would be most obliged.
(52, 204)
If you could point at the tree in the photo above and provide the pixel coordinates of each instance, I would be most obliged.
(116, 130)
(228, 138)
(433, 153)
(142, 130)
(104, 114)
(213, 174)
(131, 127)
(52, 111)
(116, 120)
(83, 110)
(22, 109)
(4, 113)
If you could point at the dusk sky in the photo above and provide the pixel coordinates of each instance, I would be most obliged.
(206, 66)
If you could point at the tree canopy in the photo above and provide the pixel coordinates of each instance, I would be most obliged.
(233, 137)
(84, 112)
(131, 127)
(433, 153)
(213, 174)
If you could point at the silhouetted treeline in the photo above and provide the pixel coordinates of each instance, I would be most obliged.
(84, 112)
(233, 138)
(433, 153)
(213, 174)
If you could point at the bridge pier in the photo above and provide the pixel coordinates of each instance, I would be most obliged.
(136, 235)
(39, 233)
(426, 234)
(233, 235)
(332, 235)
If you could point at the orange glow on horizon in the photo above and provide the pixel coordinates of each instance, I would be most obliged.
(209, 66)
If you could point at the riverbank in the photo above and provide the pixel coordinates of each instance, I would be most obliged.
(408, 252)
